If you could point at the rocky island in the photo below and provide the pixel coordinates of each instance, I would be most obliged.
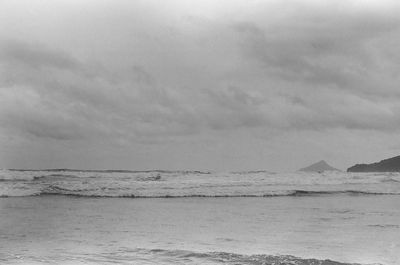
(319, 167)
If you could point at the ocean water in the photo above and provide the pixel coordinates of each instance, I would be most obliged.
(183, 217)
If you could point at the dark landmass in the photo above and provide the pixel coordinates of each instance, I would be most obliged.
(319, 167)
(386, 165)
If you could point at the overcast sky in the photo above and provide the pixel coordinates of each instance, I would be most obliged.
(198, 84)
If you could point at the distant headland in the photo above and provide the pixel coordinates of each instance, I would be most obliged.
(386, 165)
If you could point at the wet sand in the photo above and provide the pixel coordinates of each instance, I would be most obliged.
(72, 230)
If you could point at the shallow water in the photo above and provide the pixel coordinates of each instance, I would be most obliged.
(188, 217)
(56, 229)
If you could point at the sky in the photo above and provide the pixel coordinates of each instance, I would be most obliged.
(198, 85)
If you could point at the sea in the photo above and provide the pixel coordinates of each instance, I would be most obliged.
(66, 216)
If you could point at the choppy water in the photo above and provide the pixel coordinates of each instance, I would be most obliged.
(191, 184)
(166, 257)
(114, 217)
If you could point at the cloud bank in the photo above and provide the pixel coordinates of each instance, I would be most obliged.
(140, 74)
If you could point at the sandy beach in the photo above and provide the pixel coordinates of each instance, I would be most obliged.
(76, 230)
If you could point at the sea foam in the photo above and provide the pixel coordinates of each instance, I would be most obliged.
(172, 184)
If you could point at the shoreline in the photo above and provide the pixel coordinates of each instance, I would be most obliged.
(350, 229)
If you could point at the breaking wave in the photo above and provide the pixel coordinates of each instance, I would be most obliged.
(391, 179)
(190, 257)
(126, 255)
(179, 184)
(54, 190)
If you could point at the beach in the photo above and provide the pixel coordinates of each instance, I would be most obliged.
(58, 229)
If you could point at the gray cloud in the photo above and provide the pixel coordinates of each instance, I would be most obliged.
(48, 94)
(128, 77)
(35, 56)
(62, 102)
(325, 48)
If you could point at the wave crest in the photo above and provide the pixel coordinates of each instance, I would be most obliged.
(158, 184)
(88, 193)
(233, 258)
